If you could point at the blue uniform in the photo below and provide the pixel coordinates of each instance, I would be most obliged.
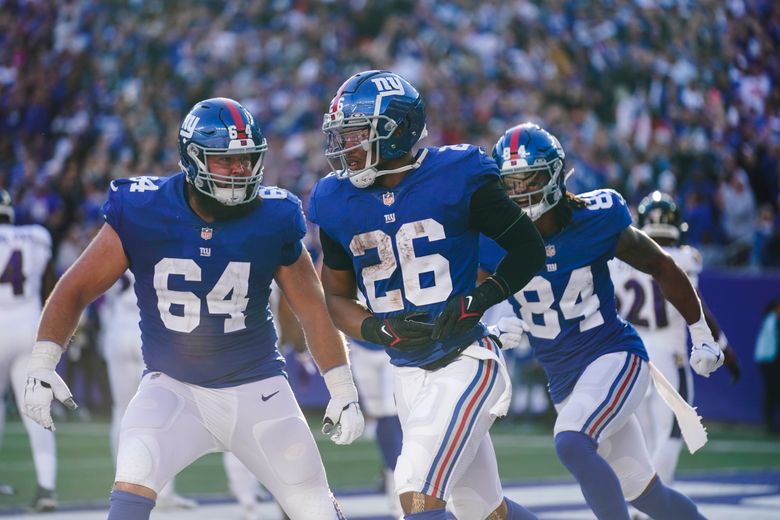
(570, 304)
(412, 246)
(203, 287)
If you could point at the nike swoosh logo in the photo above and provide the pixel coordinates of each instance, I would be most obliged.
(384, 329)
(267, 397)
(468, 301)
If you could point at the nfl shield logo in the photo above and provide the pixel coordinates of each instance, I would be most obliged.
(549, 250)
(388, 198)
(206, 233)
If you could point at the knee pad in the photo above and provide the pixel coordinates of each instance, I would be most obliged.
(634, 476)
(136, 460)
(296, 460)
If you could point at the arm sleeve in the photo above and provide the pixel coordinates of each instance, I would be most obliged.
(495, 215)
(333, 254)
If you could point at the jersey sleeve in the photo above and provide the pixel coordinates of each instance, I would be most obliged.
(481, 168)
(292, 247)
(112, 209)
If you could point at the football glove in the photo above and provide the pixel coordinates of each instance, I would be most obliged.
(44, 384)
(463, 312)
(706, 356)
(343, 421)
(730, 360)
(404, 332)
(511, 333)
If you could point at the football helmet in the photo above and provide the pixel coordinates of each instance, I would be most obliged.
(6, 206)
(376, 111)
(222, 127)
(659, 217)
(531, 161)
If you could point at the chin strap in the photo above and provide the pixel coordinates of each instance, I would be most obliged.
(367, 178)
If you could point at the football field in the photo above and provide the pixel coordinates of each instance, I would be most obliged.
(737, 475)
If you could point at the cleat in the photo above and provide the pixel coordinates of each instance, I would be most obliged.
(45, 501)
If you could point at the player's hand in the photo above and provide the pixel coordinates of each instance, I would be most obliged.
(463, 312)
(343, 420)
(404, 332)
(44, 384)
(511, 333)
(731, 363)
(706, 356)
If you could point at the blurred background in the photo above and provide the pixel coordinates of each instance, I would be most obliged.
(677, 95)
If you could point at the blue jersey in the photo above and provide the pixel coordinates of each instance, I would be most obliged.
(569, 305)
(412, 246)
(203, 287)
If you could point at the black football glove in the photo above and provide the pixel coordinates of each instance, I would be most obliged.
(731, 363)
(463, 312)
(404, 332)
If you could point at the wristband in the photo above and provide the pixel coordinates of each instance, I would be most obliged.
(45, 356)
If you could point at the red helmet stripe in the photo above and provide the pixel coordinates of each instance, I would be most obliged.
(237, 119)
(514, 140)
(334, 105)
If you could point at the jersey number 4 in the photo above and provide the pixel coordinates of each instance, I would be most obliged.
(13, 272)
(234, 282)
(412, 266)
(577, 301)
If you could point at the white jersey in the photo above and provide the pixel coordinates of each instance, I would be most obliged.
(641, 303)
(24, 253)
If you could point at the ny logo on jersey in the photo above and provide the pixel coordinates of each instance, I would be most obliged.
(188, 126)
(390, 218)
(388, 85)
(206, 233)
(205, 251)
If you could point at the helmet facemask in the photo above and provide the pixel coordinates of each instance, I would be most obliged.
(226, 189)
(536, 188)
(356, 133)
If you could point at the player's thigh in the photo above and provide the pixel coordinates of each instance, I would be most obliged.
(624, 449)
(444, 414)
(605, 396)
(162, 432)
(272, 439)
(374, 379)
(478, 492)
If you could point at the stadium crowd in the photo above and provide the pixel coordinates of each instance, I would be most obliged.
(679, 95)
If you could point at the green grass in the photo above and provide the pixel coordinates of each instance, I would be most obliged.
(86, 471)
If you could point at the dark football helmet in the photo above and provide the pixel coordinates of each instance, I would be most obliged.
(221, 126)
(659, 217)
(379, 112)
(531, 161)
(7, 206)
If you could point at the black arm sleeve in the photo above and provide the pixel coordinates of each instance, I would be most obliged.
(333, 254)
(495, 215)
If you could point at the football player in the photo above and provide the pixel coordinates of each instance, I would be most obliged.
(26, 278)
(662, 328)
(595, 362)
(204, 246)
(402, 227)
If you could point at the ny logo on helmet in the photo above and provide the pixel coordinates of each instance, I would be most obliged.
(189, 125)
(388, 85)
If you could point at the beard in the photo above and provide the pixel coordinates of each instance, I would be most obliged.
(216, 209)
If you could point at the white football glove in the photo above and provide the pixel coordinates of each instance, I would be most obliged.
(44, 384)
(511, 332)
(706, 356)
(343, 420)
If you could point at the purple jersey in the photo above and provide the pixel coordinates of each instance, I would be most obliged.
(203, 287)
(569, 305)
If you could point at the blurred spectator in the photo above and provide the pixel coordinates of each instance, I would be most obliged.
(651, 93)
(768, 359)
(738, 209)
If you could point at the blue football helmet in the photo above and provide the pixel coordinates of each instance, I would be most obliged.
(376, 111)
(6, 206)
(659, 217)
(531, 161)
(219, 127)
